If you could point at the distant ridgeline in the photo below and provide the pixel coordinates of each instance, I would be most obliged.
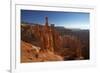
(28, 23)
(59, 40)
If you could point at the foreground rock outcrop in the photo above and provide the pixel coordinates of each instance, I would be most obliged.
(29, 54)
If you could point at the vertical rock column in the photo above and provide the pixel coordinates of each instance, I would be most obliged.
(52, 40)
(45, 34)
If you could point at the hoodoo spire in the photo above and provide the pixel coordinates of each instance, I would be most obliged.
(46, 19)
